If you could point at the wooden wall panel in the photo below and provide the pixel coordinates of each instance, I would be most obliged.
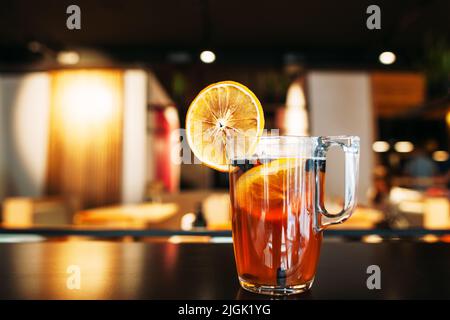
(395, 93)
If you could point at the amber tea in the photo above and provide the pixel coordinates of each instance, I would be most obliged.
(278, 211)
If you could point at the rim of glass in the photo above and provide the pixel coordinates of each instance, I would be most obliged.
(280, 146)
(310, 138)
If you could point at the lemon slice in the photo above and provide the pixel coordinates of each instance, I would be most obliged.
(223, 109)
(269, 188)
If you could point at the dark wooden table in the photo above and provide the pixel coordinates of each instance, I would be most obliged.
(137, 270)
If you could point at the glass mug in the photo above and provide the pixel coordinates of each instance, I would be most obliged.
(278, 211)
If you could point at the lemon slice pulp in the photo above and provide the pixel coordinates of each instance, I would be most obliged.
(223, 109)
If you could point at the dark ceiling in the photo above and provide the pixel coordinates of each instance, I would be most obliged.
(132, 29)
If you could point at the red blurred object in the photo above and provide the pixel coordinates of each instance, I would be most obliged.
(436, 192)
(165, 170)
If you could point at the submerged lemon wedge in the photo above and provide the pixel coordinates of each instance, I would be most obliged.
(269, 188)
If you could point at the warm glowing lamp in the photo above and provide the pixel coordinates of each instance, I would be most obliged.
(387, 57)
(68, 57)
(404, 146)
(440, 156)
(380, 146)
(296, 116)
(85, 150)
(207, 56)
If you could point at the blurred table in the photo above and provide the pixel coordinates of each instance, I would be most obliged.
(127, 216)
(138, 270)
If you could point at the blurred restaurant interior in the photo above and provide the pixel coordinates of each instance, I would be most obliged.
(90, 118)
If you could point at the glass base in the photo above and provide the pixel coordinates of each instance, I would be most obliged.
(276, 290)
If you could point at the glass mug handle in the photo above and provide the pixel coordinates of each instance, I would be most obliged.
(350, 146)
